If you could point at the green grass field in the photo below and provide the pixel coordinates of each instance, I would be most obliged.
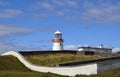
(11, 67)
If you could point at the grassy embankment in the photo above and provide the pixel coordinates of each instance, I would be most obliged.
(11, 67)
(53, 59)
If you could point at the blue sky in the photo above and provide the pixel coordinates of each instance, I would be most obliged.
(30, 24)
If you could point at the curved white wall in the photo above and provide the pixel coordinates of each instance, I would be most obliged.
(70, 71)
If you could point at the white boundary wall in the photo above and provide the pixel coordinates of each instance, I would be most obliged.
(70, 71)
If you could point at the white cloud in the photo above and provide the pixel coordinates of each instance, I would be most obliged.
(43, 5)
(59, 2)
(52, 8)
(27, 48)
(4, 3)
(115, 50)
(8, 42)
(71, 18)
(9, 13)
(100, 11)
(71, 3)
(71, 47)
(59, 13)
(47, 6)
(104, 13)
(8, 30)
(5, 46)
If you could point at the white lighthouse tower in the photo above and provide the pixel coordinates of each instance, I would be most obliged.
(57, 41)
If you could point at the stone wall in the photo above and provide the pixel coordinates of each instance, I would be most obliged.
(105, 64)
(109, 64)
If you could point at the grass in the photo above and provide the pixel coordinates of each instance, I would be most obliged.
(11, 67)
(53, 59)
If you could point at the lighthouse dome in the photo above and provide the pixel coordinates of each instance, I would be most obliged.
(57, 32)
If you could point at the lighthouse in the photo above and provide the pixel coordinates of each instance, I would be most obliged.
(57, 41)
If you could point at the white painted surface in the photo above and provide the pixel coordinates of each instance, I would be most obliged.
(95, 49)
(70, 71)
(80, 49)
(57, 32)
(57, 46)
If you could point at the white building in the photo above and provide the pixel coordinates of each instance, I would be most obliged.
(57, 41)
(100, 49)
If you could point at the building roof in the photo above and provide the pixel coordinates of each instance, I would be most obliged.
(95, 47)
(57, 32)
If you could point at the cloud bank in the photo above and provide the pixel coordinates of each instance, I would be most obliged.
(71, 47)
(8, 31)
(9, 13)
(101, 11)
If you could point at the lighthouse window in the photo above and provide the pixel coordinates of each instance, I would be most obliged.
(58, 36)
(60, 44)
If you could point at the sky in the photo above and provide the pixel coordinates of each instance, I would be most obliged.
(30, 24)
